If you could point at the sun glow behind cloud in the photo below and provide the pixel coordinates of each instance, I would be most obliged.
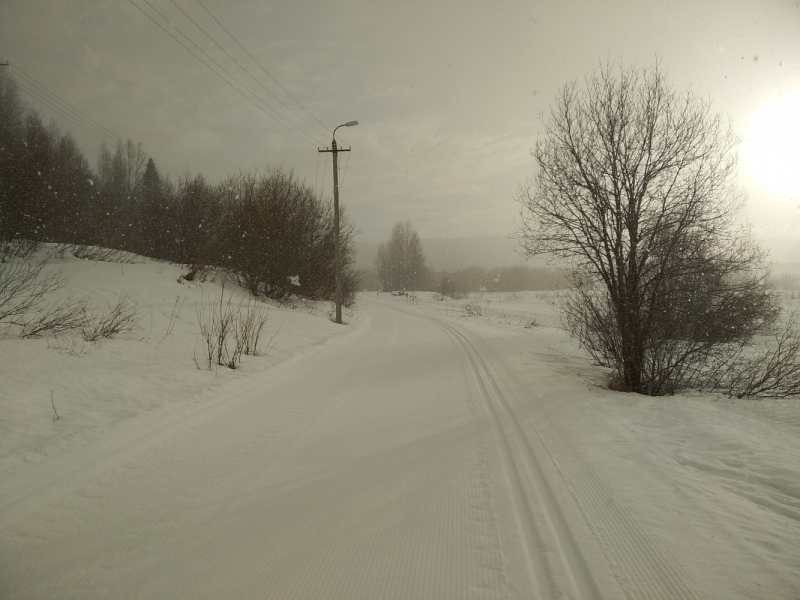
(772, 150)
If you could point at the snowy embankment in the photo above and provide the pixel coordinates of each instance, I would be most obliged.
(713, 481)
(93, 385)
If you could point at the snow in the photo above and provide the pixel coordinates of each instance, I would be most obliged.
(413, 453)
(95, 385)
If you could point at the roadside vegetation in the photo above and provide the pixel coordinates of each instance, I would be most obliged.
(268, 230)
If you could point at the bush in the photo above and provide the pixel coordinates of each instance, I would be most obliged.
(120, 318)
(278, 238)
(24, 286)
(228, 330)
(59, 317)
(767, 368)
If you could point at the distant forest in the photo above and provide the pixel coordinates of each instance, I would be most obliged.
(451, 254)
(458, 266)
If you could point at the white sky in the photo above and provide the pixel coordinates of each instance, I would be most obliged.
(447, 93)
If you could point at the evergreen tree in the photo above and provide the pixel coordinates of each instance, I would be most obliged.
(152, 218)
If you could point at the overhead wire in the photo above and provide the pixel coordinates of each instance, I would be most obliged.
(245, 69)
(32, 87)
(37, 96)
(262, 67)
(265, 108)
(346, 162)
(33, 93)
(66, 105)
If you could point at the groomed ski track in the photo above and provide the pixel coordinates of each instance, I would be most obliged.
(402, 460)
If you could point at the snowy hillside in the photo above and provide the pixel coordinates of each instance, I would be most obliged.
(96, 384)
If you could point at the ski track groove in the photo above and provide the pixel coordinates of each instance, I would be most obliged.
(644, 569)
(491, 574)
(626, 543)
(538, 549)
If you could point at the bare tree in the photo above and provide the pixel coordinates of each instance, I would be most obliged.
(24, 286)
(636, 192)
(400, 262)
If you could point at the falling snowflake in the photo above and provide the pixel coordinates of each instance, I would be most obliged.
(294, 279)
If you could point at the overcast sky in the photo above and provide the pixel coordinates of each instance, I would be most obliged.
(447, 93)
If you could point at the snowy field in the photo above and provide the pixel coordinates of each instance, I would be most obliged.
(416, 453)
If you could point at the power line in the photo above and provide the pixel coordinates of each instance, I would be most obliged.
(31, 91)
(246, 70)
(269, 110)
(73, 115)
(346, 162)
(261, 67)
(67, 106)
(265, 109)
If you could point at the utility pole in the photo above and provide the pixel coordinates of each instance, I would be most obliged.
(337, 242)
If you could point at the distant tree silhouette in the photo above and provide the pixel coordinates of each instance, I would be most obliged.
(400, 262)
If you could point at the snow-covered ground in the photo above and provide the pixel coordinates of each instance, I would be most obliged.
(712, 482)
(94, 385)
(415, 453)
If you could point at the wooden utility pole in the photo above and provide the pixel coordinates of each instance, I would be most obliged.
(337, 241)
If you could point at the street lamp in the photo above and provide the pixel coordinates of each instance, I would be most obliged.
(337, 243)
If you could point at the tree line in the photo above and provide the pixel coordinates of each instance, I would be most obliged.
(268, 229)
(400, 265)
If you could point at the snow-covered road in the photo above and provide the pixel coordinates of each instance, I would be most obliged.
(412, 457)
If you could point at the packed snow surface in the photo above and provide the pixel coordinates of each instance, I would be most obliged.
(413, 453)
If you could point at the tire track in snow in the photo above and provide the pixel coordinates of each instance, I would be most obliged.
(540, 554)
(644, 568)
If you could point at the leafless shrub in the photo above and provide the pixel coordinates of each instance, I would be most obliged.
(19, 248)
(271, 341)
(251, 320)
(59, 317)
(226, 318)
(208, 336)
(768, 368)
(218, 322)
(120, 318)
(24, 286)
(473, 308)
(102, 254)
